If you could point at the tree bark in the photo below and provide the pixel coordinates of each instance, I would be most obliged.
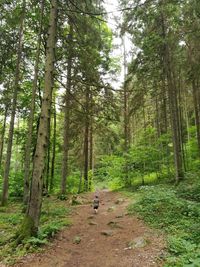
(86, 140)
(181, 128)
(13, 110)
(53, 150)
(90, 154)
(197, 111)
(126, 117)
(169, 73)
(31, 115)
(175, 125)
(31, 221)
(3, 134)
(164, 120)
(173, 104)
(65, 160)
(46, 182)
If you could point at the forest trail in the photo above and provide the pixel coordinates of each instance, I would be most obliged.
(101, 240)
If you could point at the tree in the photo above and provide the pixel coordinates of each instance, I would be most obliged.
(32, 110)
(31, 221)
(65, 160)
(13, 109)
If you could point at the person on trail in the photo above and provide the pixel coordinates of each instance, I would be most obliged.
(96, 203)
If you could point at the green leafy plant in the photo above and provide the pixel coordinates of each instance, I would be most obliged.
(161, 207)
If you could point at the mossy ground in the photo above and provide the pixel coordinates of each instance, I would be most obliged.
(53, 218)
(173, 210)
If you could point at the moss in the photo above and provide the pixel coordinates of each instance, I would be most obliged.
(26, 230)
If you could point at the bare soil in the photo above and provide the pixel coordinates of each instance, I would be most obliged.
(102, 240)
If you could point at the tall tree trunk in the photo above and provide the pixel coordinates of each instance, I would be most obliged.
(125, 104)
(173, 104)
(186, 117)
(86, 140)
(90, 154)
(157, 119)
(91, 148)
(65, 160)
(174, 112)
(80, 181)
(53, 150)
(13, 110)
(3, 134)
(164, 118)
(197, 111)
(163, 97)
(16, 165)
(126, 119)
(81, 164)
(46, 182)
(31, 221)
(31, 115)
(181, 120)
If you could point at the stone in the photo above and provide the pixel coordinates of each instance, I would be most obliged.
(138, 242)
(119, 216)
(107, 232)
(114, 224)
(119, 201)
(111, 209)
(76, 200)
(76, 240)
(91, 217)
(92, 223)
(128, 248)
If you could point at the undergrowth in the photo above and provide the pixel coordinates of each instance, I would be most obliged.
(54, 217)
(173, 210)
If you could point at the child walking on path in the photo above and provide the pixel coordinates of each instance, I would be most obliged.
(96, 203)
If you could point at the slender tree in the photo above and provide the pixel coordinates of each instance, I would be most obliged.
(65, 167)
(31, 221)
(3, 134)
(32, 109)
(86, 138)
(53, 148)
(13, 108)
(173, 103)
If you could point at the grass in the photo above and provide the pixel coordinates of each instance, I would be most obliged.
(54, 217)
(173, 210)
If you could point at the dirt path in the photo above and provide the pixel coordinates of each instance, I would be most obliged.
(111, 249)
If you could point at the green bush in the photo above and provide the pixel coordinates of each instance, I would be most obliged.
(49, 230)
(53, 219)
(178, 245)
(16, 184)
(110, 171)
(36, 242)
(191, 192)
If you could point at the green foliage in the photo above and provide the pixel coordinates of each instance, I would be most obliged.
(53, 218)
(190, 188)
(148, 161)
(50, 229)
(178, 246)
(62, 197)
(192, 151)
(36, 242)
(161, 207)
(110, 171)
(16, 184)
(73, 182)
(190, 192)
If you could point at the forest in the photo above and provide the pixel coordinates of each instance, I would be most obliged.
(70, 127)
